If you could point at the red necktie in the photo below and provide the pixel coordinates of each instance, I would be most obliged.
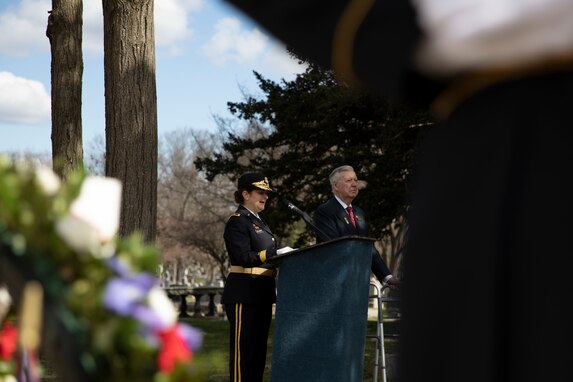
(351, 213)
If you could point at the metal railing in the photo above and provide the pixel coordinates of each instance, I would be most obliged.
(380, 353)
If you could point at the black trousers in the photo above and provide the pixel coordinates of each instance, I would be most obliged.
(249, 329)
(488, 273)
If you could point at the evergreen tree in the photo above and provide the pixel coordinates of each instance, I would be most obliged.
(302, 129)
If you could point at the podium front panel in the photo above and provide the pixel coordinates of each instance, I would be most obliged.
(321, 313)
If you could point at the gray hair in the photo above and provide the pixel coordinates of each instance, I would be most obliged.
(335, 174)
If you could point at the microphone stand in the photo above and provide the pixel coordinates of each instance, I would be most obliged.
(305, 217)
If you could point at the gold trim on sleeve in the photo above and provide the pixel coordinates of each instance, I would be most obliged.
(263, 255)
(344, 37)
(469, 84)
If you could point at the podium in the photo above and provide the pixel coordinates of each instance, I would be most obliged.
(321, 312)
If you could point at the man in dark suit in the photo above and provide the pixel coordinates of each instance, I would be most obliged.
(338, 217)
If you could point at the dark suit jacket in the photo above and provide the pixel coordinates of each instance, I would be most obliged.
(333, 220)
(245, 236)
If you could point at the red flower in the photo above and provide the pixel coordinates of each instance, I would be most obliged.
(173, 349)
(8, 337)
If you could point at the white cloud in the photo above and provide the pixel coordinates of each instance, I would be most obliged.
(171, 22)
(22, 100)
(280, 62)
(231, 43)
(23, 28)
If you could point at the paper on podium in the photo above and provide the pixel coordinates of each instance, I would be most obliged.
(282, 250)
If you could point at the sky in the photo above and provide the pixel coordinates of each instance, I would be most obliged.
(206, 52)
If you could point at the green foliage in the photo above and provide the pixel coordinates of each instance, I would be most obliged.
(301, 130)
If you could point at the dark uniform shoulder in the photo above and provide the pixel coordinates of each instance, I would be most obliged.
(235, 215)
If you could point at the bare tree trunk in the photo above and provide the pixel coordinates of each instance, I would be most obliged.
(131, 110)
(65, 34)
(393, 244)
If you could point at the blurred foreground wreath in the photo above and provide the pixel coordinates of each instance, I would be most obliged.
(104, 317)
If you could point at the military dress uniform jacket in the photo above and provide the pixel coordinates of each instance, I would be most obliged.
(249, 241)
(333, 220)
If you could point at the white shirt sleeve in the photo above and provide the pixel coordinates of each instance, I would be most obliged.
(474, 34)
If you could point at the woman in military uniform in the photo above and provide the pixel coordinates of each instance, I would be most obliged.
(250, 287)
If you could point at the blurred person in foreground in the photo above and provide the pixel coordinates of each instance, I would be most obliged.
(492, 206)
(249, 292)
(339, 217)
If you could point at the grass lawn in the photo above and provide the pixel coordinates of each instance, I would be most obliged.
(214, 353)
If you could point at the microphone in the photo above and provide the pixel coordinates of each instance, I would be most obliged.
(305, 217)
(297, 210)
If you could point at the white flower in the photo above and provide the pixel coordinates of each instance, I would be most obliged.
(162, 306)
(5, 301)
(47, 180)
(99, 206)
(93, 219)
(78, 234)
